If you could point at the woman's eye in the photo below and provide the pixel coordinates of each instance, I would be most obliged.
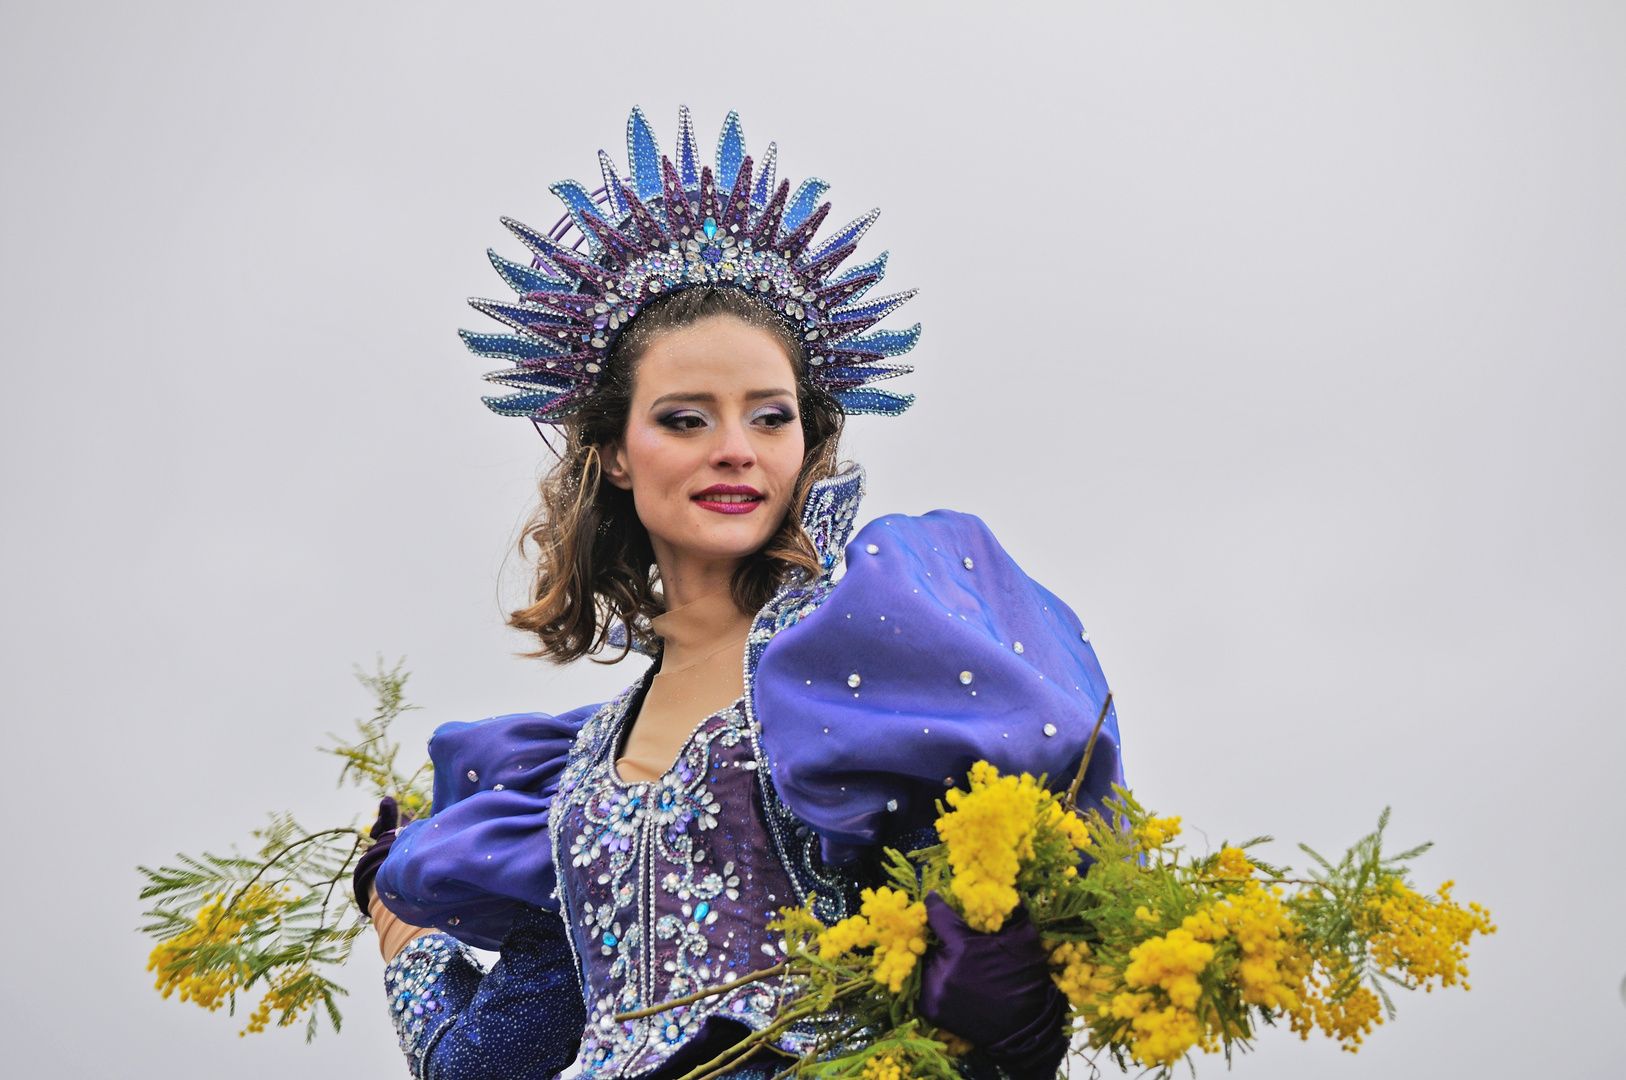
(683, 421)
(775, 418)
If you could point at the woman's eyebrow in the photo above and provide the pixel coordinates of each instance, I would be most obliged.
(703, 397)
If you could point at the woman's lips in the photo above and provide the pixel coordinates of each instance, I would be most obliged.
(728, 499)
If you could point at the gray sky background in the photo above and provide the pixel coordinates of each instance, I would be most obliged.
(1284, 341)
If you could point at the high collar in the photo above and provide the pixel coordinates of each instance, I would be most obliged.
(829, 513)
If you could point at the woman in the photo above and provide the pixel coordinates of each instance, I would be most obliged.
(700, 360)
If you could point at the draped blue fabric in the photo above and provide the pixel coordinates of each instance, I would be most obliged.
(935, 650)
(485, 850)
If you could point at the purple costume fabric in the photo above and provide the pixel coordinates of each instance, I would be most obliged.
(934, 651)
(995, 989)
(667, 887)
(383, 835)
(485, 850)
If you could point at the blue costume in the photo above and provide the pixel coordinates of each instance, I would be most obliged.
(865, 698)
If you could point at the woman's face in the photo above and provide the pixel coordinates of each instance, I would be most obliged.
(713, 443)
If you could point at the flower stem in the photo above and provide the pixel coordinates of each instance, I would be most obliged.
(720, 1064)
(1089, 751)
(700, 995)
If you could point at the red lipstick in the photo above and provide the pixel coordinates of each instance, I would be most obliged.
(728, 499)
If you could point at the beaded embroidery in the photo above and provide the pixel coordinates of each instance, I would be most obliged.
(670, 888)
(427, 982)
(670, 226)
(619, 851)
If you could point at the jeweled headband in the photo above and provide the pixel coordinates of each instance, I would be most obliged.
(672, 225)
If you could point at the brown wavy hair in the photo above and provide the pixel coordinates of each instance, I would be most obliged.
(595, 565)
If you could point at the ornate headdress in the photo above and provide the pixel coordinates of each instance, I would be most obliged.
(673, 225)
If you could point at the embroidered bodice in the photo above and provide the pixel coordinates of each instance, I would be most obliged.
(666, 887)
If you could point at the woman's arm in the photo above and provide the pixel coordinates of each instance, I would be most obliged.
(522, 1020)
(393, 934)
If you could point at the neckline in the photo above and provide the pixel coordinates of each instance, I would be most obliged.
(617, 741)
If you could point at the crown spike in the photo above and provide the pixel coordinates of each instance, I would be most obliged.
(847, 376)
(730, 154)
(737, 210)
(856, 318)
(562, 259)
(526, 279)
(764, 188)
(583, 211)
(847, 289)
(877, 266)
(795, 242)
(847, 236)
(767, 228)
(872, 402)
(803, 203)
(529, 378)
(520, 317)
(643, 155)
(879, 344)
(680, 220)
(645, 224)
(532, 406)
(709, 210)
(612, 187)
(520, 348)
(540, 245)
(688, 156)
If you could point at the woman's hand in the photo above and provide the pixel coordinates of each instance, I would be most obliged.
(996, 991)
(393, 934)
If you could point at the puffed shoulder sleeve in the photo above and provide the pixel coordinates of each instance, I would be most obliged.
(484, 850)
(934, 651)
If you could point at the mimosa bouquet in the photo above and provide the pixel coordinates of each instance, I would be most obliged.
(1160, 952)
(277, 922)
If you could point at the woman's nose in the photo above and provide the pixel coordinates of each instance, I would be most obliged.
(733, 449)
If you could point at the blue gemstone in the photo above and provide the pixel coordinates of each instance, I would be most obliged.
(701, 909)
(709, 228)
(609, 938)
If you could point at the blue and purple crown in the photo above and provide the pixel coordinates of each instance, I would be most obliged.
(672, 225)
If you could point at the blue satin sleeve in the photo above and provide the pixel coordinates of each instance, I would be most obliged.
(934, 651)
(485, 851)
(522, 1020)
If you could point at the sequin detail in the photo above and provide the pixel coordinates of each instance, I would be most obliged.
(427, 983)
(670, 885)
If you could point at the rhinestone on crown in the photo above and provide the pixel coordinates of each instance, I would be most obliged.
(671, 225)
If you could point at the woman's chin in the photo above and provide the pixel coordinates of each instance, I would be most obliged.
(727, 536)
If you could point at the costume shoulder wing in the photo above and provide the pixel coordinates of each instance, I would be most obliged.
(934, 651)
(485, 848)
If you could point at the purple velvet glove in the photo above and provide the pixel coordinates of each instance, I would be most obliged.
(995, 990)
(383, 834)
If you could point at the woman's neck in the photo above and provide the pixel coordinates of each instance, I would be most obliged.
(687, 576)
(698, 628)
